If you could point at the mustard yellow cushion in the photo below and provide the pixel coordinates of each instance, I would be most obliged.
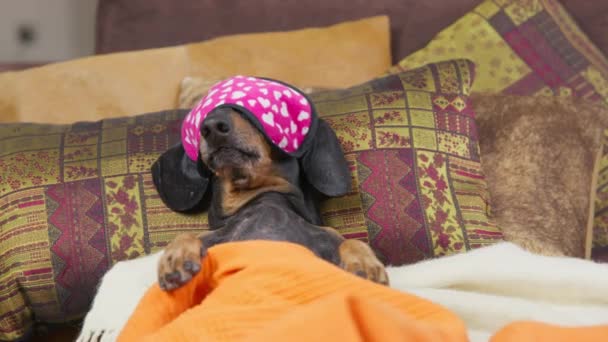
(192, 89)
(143, 81)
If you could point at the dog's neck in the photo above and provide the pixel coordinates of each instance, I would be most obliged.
(292, 198)
(235, 195)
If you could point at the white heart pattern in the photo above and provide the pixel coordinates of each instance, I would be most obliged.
(281, 110)
(208, 102)
(238, 94)
(303, 115)
(268, 118)
(294, 127)
(284, 110)
(283, 143)
(264, 102)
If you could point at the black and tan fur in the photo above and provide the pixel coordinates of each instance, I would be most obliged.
(254, 192)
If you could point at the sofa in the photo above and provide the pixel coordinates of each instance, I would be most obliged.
(131, 96)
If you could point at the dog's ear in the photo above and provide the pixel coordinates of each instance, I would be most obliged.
(324, 165)
(180, 181)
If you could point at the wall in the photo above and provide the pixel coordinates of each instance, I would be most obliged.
(62, 29)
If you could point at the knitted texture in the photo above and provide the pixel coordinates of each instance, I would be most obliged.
(264, 291)
(277, 291)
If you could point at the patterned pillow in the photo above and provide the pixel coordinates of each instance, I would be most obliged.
(411, 141)
(528, 47)
(521, 47)
(75, 199)
(355, 215)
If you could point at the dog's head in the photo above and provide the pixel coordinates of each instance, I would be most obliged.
(235, 151)
(240, 147)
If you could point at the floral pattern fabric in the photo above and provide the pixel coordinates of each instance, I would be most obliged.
(412, 142)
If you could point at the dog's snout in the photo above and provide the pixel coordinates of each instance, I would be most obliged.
(216, 127)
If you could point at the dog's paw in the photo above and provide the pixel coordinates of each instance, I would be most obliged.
(358, 258)
(180, 261)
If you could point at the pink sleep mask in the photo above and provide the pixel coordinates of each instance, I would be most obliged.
(283, 113)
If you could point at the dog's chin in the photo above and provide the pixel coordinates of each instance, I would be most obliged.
(229, 158)
(232, 164)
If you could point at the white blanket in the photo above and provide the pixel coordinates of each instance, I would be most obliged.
(493, 286)
(488, 288)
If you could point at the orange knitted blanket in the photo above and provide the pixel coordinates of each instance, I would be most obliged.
(265, 291)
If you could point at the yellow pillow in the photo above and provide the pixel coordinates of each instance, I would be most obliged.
(127, 83)
(192, 89)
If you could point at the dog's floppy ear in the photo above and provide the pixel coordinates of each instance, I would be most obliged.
(324, 165)
(180, 181)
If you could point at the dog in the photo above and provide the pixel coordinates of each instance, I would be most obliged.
(255, 155)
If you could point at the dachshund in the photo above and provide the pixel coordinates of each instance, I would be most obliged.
(233, 162)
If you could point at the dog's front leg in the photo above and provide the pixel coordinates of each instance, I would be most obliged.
(357, 257)
(181, 260)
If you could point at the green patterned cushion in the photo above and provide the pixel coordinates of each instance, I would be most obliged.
(412, 144)
(75, 199)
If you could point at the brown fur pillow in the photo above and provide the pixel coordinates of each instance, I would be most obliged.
(539, 156)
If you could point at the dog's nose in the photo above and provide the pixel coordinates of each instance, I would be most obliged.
(216, 127)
